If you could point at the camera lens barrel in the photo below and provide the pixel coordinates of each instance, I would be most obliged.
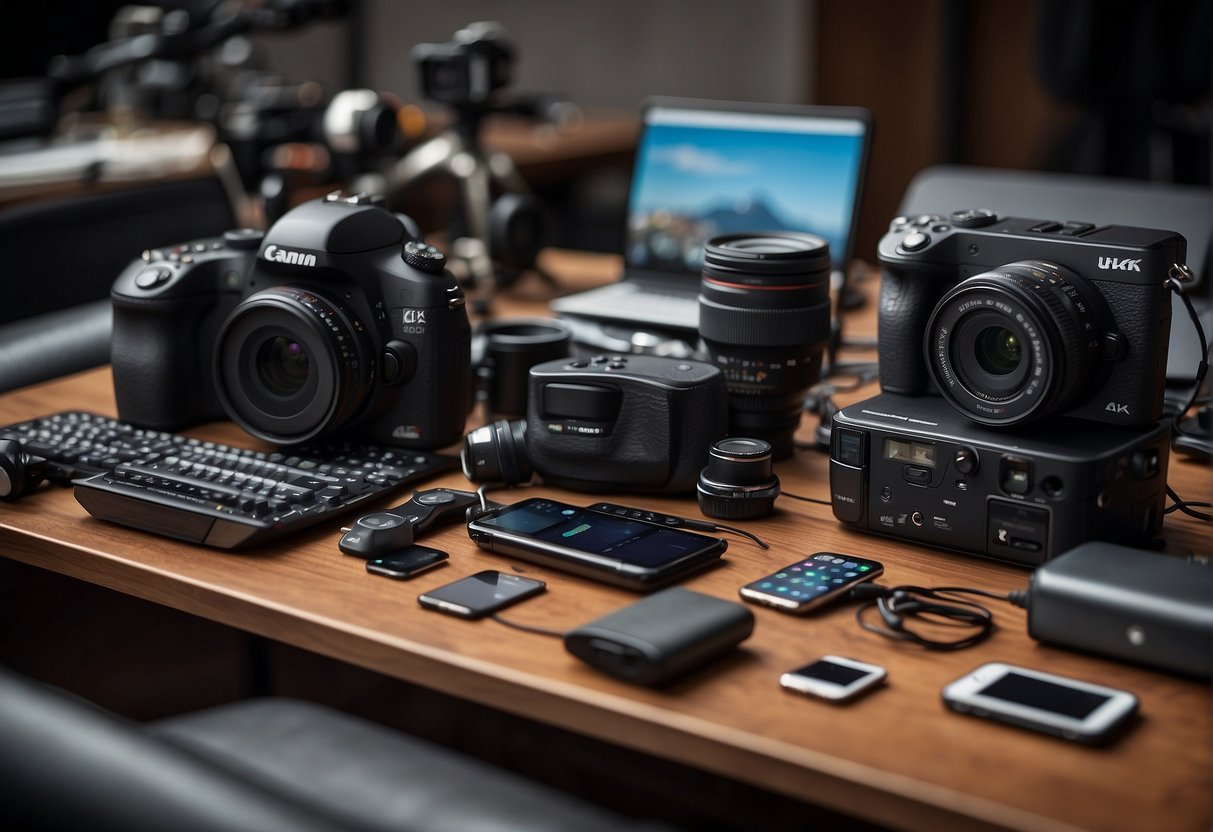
(1018, 343)
(764, 318)
(291, 365)
(738, 483)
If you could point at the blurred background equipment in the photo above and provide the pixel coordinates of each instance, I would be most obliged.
(158, 134)
(498, 226)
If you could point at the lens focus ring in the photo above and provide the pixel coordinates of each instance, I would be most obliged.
(731, 324)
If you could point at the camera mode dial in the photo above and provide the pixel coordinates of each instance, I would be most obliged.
(974, 218)
(424, 257)
(243, 239)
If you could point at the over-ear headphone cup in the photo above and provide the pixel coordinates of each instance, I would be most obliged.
(518, 229)
(496, 452)
(20, 472)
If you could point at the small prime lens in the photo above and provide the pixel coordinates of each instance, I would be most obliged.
(1018, 343)
(291, 365)
(764, 319)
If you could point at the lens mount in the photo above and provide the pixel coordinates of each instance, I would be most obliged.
(1018, 343)
(291, 365)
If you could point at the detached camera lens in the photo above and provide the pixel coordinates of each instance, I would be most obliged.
(764, 318)
(1018, 343)
(291, 365)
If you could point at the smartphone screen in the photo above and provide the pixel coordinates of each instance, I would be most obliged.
(481, 594)
(565, 536)
(834, 678)
(407, 562)
(1042, 701)
(812, 582)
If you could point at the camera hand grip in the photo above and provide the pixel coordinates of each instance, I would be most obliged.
(906, 302)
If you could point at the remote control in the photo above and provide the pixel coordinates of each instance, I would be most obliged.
(382, 532)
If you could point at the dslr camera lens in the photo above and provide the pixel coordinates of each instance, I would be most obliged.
(291, 365)
(764, 319)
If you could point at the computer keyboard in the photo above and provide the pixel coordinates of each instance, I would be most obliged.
(205, 492)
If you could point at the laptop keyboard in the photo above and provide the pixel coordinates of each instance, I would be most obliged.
(632, 303)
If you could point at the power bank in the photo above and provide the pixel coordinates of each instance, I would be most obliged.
(1126, 603)
(662, 637)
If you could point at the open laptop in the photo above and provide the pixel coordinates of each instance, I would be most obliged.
(705, 168)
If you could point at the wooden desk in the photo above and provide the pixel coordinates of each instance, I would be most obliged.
(896, 757)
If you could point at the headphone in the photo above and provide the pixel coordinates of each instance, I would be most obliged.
(20, 471)
(496, 453)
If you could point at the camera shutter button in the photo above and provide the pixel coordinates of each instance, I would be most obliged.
(153, 277)
(243, 239)
(424, 257)
(399, 362)
(915, 241)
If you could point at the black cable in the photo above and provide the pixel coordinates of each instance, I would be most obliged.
(721, 527)
(527, 628)
(1188, 508)
(897, 605)
(1202, 368)
(805, 499)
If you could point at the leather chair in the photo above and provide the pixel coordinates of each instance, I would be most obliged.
(261, 764)
(61, 255)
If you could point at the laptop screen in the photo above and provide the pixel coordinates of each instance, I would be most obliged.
(703, 172)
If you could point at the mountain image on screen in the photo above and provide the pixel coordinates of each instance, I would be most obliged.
(673, 239)
(754, 214)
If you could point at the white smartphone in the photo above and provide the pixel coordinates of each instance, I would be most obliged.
(1040, 701)
(835, 678)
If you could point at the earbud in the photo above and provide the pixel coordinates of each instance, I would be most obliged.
(496, 453)
(738, 483)
(20, 471)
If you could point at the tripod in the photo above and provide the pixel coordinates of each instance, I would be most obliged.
(488, 232)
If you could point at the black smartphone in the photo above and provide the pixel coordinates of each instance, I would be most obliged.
(623, 551)
(1057, 705)
(481, 594)
(407, 562)
(811, 583)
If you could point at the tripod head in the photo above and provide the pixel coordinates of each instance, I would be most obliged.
(498, 227)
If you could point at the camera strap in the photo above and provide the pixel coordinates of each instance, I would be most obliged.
(1177, 276)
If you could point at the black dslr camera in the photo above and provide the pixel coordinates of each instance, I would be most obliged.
(607, 423)
(336, 320)
(1013, 320)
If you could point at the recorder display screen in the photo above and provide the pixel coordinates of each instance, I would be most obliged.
(906, 450)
